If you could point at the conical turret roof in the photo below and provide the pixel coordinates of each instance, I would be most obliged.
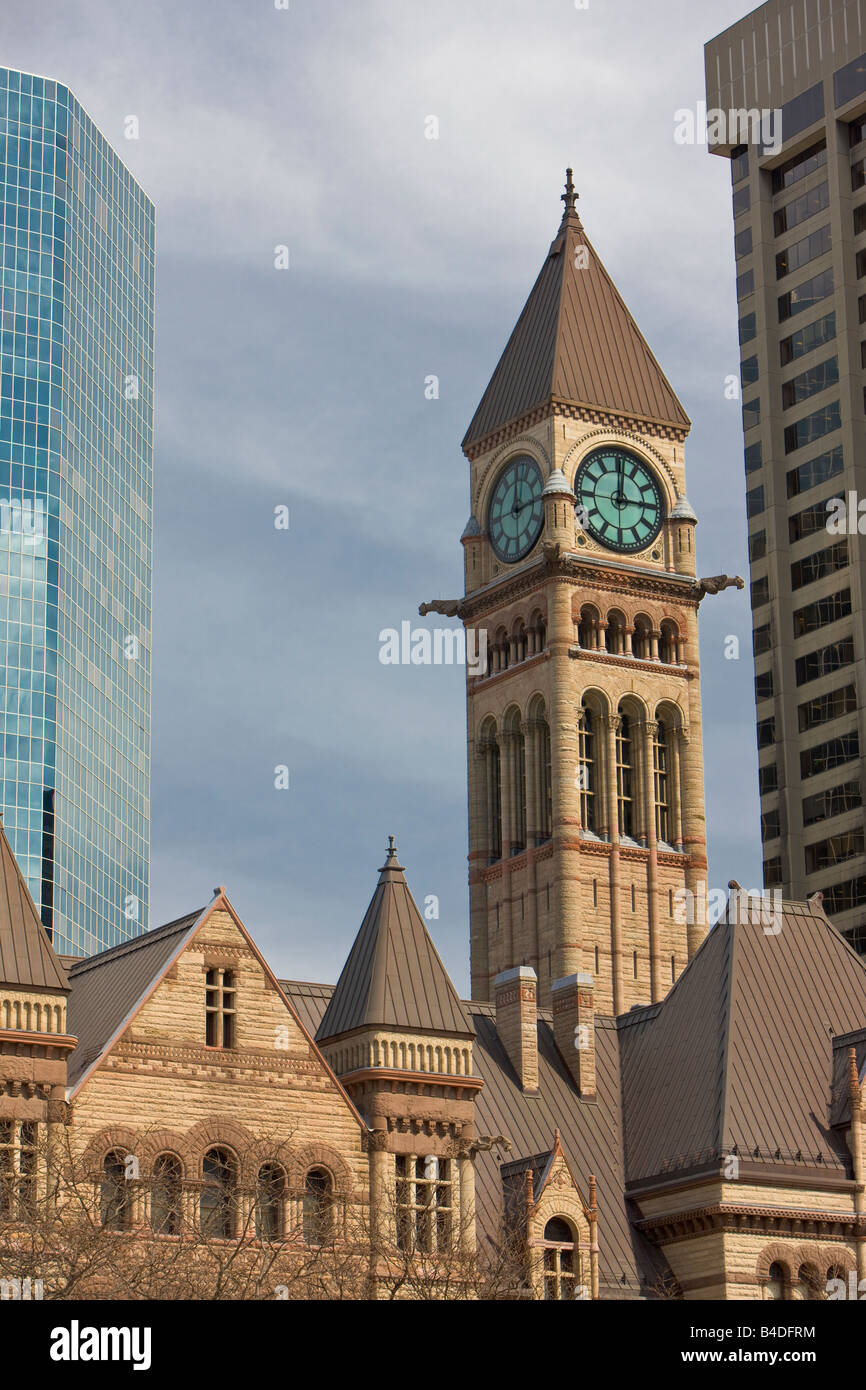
(394, 977)
(27, 958)
(576, 344)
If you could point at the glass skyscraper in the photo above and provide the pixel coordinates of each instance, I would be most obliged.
(76, 463)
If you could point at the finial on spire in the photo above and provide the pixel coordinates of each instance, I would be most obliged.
(570, 196)
(392, 848)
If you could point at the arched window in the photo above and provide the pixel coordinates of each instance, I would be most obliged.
(517, 769)
(493, 791)
(586, 767)
(166, 1195)
(537, 633)
(318, 1206)
(616, 632)
(519, 641)
(270, 1193)
(545, 795)
(642, 639)
(775, 1285)
(115, 1205)
(668, 642)
(624, 771)
(218, 1197)
(661, 781)
(587, 628)
(500, 650)
(559, 1260)
(806, 1284)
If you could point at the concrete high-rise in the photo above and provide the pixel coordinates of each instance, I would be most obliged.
(76, 449)
(799, 208)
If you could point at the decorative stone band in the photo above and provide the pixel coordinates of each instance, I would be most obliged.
(729, 1217)
(610, 419)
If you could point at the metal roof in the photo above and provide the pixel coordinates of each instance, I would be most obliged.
(590, 1134)
(107, 987)
(575, 343)
(394, 977)
(27, 958)
(739, 1056)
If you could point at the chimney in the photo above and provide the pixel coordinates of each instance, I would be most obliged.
(574, 1028)
(516, 992)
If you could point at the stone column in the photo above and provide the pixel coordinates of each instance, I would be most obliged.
(593, 1239)
(466, 1172)
(383, 1192)
(628, 633)
(694, 826)
(529, 730)
(564, 794)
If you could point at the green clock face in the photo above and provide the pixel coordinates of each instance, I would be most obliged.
(516, 509)
(621, 499)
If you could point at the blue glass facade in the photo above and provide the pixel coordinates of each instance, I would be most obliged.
(76, 465)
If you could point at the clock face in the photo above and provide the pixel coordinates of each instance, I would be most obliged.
(621, 498)
(516, 509)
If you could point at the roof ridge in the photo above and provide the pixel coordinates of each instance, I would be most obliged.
(135, 942)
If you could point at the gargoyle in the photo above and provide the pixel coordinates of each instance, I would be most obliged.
(485, 1142)
(717, 582)
(448, 607)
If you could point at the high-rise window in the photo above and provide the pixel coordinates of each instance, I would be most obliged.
(76, 447)
(800, 166)
(800, 253)
(824, 661)
(823, 611)
(807, 338)
(834, 753)
(805, 295)
(811, 519)
(812, 427)
(815, 471)
(768, 779)
(801, 209)
(835, 850)
(818, 377)
(829, 560)
(836, 801)
(823, 708)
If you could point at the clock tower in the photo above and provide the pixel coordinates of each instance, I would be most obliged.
(586, 798)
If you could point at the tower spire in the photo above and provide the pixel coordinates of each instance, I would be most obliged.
(569, 198)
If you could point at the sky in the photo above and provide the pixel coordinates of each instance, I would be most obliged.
(306, 128)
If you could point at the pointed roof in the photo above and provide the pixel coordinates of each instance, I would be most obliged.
(575, 343)
(394, 977)
(27, 958)
(739, 1056)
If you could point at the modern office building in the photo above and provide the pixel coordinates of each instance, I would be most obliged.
(76, 448)
(799, 208)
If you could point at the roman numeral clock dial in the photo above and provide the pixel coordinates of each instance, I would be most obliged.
(516, 510)
(621, 498)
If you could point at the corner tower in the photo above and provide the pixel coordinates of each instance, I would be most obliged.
(586, 798)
